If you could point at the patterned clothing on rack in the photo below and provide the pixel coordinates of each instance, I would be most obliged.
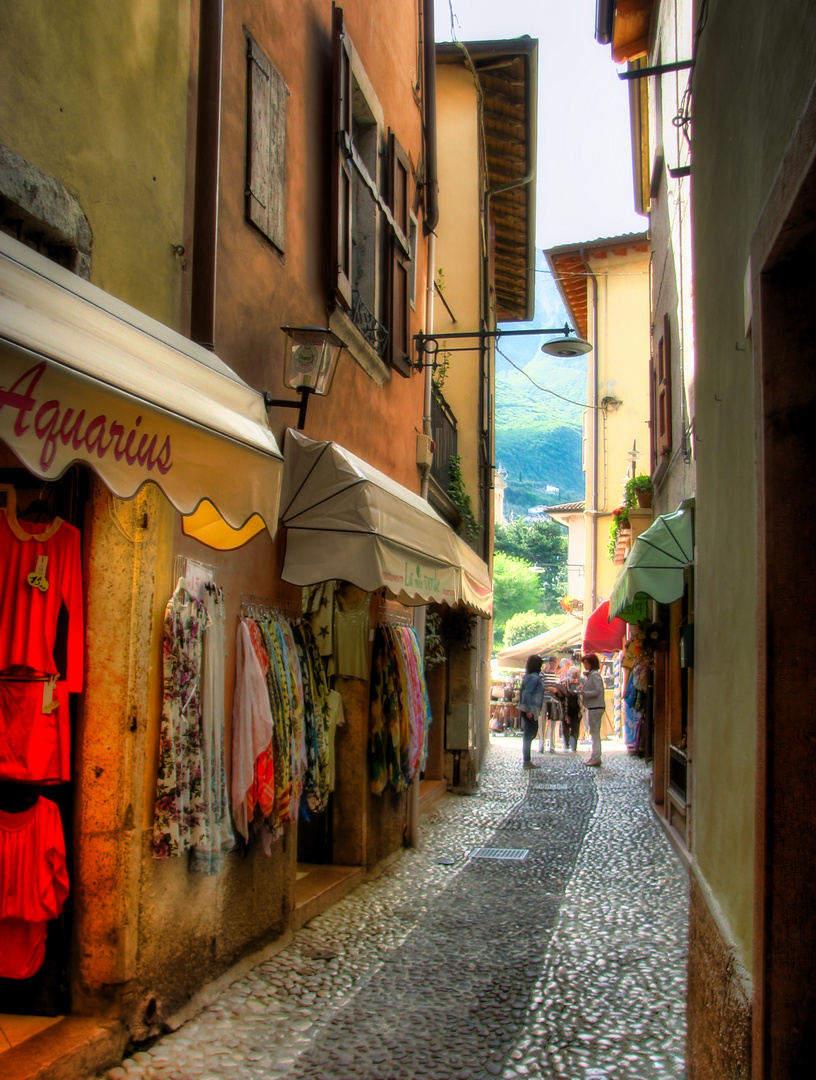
(400, 709)
(386, 715)
(317, 781)
(252, 726)
(262, 791)
(282, 723)
(180, 821)
(294, 679)
(219, 837)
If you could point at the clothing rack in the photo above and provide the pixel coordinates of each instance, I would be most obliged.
(393, 613)
(252, 605)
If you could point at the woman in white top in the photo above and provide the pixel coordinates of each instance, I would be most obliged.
(593, 700)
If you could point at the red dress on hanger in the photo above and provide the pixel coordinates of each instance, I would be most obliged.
(35, 738)
(28, 615)
(33, 885)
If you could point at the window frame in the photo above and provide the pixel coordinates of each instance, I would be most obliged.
(377, 169)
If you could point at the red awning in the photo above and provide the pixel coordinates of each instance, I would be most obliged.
(600, 635)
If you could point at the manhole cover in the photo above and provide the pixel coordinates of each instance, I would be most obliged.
(499, 853)
(445, 860)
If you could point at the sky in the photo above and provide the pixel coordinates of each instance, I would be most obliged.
(584, 188)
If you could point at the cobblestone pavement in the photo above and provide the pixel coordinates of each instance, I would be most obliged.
(568, 962)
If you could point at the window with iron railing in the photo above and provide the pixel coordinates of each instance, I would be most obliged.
(443, 423)
(369, 326)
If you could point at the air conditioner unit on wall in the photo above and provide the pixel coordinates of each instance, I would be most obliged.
(459, 728)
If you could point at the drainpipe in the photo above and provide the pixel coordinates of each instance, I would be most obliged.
(208, 140)
(593, 576)
(431, 219)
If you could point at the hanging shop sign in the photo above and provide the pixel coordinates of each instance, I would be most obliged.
(84, 378)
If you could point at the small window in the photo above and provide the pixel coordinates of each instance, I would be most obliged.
(266, 146)
(39, 211)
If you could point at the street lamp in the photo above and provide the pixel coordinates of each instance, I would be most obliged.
(308, 366)
(568, 343)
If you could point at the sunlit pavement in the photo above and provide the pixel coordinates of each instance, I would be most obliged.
(568, 960)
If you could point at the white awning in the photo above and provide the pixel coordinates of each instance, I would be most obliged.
(86, 378)
(565, 636)
(346, 520)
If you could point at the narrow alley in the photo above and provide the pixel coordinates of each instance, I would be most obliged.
(566, 961)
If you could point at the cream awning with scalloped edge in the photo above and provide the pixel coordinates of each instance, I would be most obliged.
(347, 520)
(86, 378)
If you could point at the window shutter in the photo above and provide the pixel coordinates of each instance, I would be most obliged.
(266, 146)
(341, 163)
(399, 282)
(663, 392)
(654, 457)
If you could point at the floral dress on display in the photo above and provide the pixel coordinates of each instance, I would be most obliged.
(180, 821)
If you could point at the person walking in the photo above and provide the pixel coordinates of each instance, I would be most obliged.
(571, 684)
(531, 698)
(553, 698)
(593, 700)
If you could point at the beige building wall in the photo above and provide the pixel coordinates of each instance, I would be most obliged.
(621, 358)
(459, 254)
(113, 130)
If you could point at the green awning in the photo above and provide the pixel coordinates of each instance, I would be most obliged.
(654, 568)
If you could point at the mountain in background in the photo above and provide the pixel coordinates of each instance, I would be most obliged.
(538, 435)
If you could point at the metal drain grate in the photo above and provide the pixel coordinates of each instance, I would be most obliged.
(550, 787)
(499, 853)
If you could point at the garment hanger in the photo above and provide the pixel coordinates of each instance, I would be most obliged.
(38, 508)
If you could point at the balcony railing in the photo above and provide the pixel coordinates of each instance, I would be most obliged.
(443, 423)
(367, 323)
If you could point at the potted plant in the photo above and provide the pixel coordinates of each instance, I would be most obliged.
(638, 490)
(619, 522)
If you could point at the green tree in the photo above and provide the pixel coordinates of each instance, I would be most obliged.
(543, 544)
(515, 588)
(527, 624)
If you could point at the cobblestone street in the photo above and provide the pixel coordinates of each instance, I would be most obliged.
(567, 962)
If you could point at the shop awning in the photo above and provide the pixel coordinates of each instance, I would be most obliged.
(346, 520)
(86, 378)
(655, 565)
(566, 636)
(601, 634)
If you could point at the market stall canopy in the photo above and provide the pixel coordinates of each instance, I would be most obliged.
(348, 521)
(566, 636)
(602, 635)
(86, 378)
(655, 565)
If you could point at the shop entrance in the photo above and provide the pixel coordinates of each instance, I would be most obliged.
(783, 334)
(46, 992)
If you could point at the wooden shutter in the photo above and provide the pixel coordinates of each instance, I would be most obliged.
(399, 276)
(654, 457)
(341, 163)
(266, 146)
(663, 441)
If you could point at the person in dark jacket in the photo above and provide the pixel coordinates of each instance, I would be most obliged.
(531, 698)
